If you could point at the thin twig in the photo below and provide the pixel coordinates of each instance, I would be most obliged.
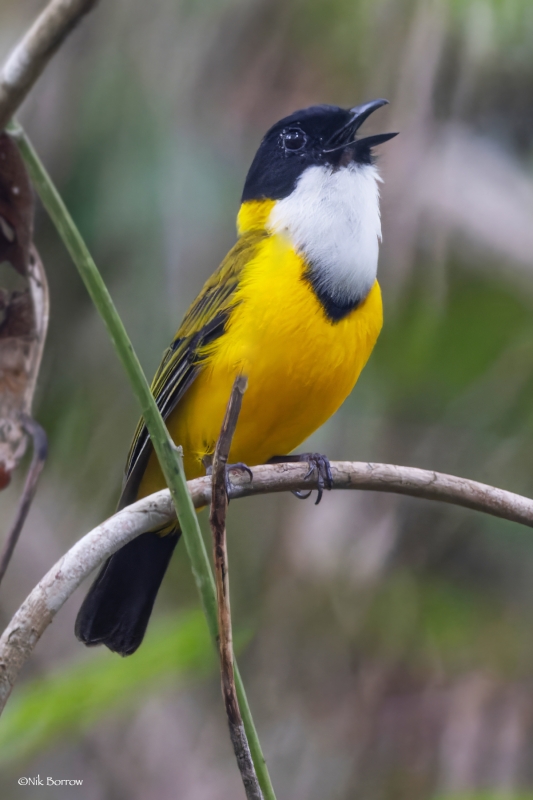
(40, 451)
(157, 510)
(31, 55)
(217, 519)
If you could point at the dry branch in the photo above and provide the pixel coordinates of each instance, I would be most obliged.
(217, 519)
(157, 510)
(24, 311)
(19, 418)
(31, 55)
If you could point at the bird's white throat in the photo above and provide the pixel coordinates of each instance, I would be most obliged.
(332, 218)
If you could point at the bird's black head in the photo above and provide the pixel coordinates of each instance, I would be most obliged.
(319, 135)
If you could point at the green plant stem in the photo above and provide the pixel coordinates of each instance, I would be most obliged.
(170, 456)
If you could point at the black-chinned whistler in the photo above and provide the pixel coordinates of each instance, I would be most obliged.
(295, 306)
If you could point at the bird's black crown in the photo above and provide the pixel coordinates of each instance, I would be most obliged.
(318, 135)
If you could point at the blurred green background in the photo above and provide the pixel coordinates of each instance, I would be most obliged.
(387, 643)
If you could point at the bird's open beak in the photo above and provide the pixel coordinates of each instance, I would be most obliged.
(345, 135)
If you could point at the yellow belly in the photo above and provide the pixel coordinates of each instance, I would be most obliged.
(300, 366)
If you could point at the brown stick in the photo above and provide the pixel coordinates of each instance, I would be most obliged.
(40, 305)
(157, 510)
(31, 55)
(217, 519)
(40, 451)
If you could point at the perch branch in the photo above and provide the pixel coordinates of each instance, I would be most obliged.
(31, 55)
(157, 510)
(217, 519)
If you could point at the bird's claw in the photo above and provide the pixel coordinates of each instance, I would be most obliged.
(316, 462)
(241, 468)
(302, 495)
(322, 466)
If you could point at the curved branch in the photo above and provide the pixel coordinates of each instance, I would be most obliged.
(31, 55)
(155, 511)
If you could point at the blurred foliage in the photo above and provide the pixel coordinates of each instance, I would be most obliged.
(73, 698)
(427, 622)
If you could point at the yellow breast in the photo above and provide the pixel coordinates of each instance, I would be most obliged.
(300, 366)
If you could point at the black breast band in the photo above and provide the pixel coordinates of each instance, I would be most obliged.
(335, 308)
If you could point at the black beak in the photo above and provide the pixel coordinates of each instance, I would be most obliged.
(358, 114)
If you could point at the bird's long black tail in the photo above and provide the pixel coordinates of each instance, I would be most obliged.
(119, 603)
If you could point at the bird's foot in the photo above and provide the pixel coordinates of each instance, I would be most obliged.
(318, 463)
(239, 466)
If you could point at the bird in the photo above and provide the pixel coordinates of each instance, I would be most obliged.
(295, 306)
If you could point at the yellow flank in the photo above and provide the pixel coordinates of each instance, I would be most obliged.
(300, 365)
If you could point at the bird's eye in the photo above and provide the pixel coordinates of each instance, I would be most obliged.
(294, 140)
